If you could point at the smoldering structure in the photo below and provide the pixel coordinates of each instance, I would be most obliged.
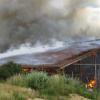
(79, 60)
(30, 21)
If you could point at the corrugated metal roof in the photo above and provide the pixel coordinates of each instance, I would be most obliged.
(54, 57)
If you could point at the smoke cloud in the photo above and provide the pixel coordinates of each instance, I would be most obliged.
(29, 21)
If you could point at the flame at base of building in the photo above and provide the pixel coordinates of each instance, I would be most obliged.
(91, 84)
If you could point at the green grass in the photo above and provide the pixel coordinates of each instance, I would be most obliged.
(59, 85)
(52, 86)
(35, 80)
(16, 86)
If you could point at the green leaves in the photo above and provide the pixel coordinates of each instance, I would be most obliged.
(8, 70)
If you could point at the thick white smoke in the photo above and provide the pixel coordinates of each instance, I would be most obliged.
(29, 49)
(24, 21)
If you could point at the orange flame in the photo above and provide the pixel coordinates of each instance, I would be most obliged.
(91, 84)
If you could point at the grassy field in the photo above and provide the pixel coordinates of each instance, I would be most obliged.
(9, 92)
(57, 87)
(40, 85)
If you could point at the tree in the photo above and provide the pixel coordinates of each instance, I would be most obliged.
(9, 69)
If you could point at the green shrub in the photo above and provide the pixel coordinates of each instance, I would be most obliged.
(8, 70)
(56, 86)
(96, 94)
(72, 84)
(52, 86)
(35, 80)
(61, 85)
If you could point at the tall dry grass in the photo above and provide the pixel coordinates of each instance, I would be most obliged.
(9, 92)
(52, 86)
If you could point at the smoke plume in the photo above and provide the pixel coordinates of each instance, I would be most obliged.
(29, 21)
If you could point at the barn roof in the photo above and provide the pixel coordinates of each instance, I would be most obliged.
(59, 57)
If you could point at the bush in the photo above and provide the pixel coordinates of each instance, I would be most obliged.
(52, 86)
(61, 85)
(56, 86)
(72, 84)
(37, 80)
(34, 80)
(8, 70)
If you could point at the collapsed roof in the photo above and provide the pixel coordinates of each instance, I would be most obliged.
(59, 57)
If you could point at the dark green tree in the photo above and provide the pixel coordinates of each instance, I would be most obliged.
(9, 69)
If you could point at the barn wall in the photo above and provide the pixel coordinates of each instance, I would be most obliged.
(85, 69)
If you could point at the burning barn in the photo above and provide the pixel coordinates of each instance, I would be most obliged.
(80, 60)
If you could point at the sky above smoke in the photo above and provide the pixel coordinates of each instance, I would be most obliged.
(29, 21)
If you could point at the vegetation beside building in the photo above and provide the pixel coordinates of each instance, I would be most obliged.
(8, 70)
(55, 87)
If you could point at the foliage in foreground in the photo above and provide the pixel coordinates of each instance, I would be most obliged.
(35, 80)
(8, 70)
(8, 92)
(52, 86)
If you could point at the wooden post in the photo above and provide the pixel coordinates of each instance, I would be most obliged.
(42, 68)
(95, 68)
(63, 71)
(72, 74)
(95, 71)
